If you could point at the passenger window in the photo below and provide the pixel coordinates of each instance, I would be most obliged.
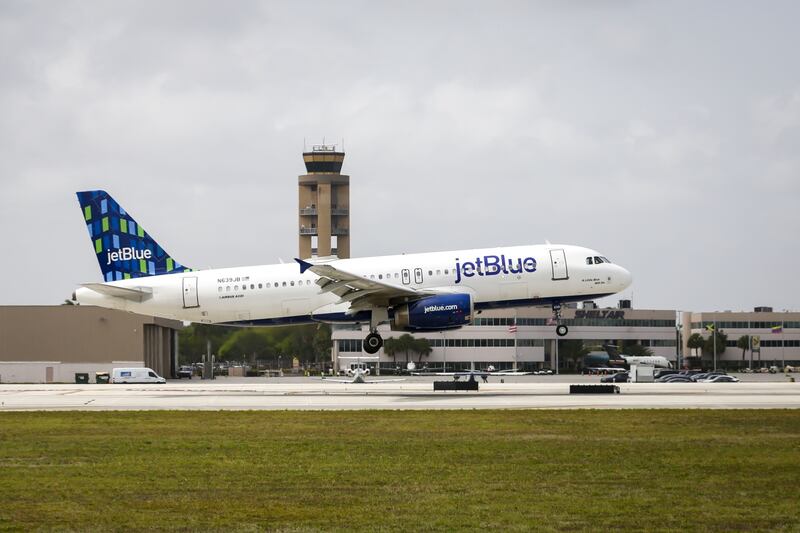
(396, 275)
(219, 289)
(380, 276)
(260, 285)
(438, 272)
(252, 286)
(244, 287)
(284, 283)
(446, 272)
(228, 288)
(430, 272)
(292, 283)
(589, 261)
(308, 282)
(235, 287)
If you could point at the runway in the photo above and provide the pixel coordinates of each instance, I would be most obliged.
(547, 392)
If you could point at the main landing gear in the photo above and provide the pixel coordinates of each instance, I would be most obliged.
(561, 329)
(373, 342)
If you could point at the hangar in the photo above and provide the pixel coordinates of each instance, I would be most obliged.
(50, 344)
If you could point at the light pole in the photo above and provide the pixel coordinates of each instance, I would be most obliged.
(444, 353)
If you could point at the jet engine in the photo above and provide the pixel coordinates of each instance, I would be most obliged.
(444, 311)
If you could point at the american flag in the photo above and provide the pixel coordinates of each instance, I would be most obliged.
(512, 328)
(551, 322)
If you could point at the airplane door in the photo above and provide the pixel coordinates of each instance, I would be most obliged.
(406, 276)
(559, 262)
(417, 275)
(190, 293)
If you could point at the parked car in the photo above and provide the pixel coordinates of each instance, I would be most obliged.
(720, 378)
(675, 378)
(662, 372)
(706, 375)
(185, 372)
(619, 377)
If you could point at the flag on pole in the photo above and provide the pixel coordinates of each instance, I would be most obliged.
(710, 327)
(777, 329)
(512, 328)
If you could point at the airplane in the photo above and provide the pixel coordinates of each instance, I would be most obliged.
(657, 361)
(412, 292)
(357, 371)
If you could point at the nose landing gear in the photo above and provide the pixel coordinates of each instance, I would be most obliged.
(561, 329)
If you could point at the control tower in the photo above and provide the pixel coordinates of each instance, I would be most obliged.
(324, 206)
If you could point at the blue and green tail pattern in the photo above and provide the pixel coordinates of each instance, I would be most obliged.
(124, 249)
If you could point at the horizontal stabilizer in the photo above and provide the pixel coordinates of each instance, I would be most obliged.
(132, 294)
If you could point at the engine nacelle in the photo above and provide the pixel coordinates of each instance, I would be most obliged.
(446, 311)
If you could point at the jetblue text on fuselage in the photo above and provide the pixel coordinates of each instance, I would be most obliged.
(492, 265)
(126, 254)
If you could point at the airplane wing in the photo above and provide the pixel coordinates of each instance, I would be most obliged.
(133, 294)
(455, 374)
(361, 292)
(366, 381)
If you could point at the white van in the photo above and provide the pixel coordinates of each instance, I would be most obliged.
(135, 375)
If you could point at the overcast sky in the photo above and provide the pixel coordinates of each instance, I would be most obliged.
(664, 134)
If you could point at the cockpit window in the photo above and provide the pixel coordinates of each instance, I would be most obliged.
(597, 260)
(589, 261)
(605, 259)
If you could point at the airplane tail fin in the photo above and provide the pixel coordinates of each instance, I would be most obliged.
(124, 250)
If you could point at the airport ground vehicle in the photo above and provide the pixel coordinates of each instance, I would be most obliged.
(619, 377)
(135, 375)
(185, 372)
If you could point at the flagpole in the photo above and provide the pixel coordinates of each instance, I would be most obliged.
(516, 344)
(714, 332)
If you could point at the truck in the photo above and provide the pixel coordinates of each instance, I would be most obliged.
(135, 375)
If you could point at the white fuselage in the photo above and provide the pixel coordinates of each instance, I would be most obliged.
(280, 294)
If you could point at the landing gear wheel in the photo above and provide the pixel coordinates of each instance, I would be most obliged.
(373, 343)
(561, 330)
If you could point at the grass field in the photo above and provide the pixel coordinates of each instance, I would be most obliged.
(401, 470)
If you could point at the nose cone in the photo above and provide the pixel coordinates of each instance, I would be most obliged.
(625, 278)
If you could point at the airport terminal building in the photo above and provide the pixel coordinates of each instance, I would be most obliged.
(774, 336)
(525, 338)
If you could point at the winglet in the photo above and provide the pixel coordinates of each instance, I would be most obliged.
(304, 265)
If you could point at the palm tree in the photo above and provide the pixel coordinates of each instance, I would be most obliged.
(695, 342)
(390, 347)
(422, 347)
(744, 344)
(406, 344)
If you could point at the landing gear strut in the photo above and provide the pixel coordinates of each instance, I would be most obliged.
(373, 342)
(561, 329)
